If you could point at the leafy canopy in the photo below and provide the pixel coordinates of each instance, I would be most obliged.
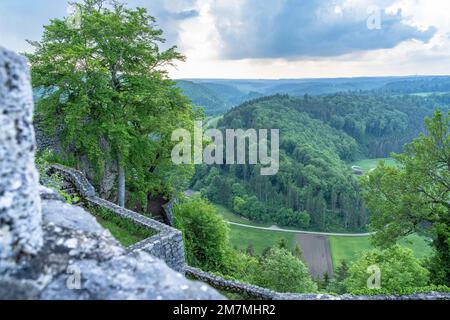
(104, 93)
(415, 196)
(398, 269)
(282, 272)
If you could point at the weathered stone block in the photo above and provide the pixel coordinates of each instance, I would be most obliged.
(20, 209)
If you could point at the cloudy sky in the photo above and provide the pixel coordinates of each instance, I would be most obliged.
(278, 38)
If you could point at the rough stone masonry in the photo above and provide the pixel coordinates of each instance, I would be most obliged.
(20, 206)
(52, 250)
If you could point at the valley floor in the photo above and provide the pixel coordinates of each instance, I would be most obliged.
(323, 252)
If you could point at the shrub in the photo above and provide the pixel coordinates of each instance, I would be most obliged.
(205, 233)
(399, 269)
(282, 272)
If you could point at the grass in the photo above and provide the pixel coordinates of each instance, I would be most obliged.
(232, 217)
(242, 237)
(123, 229)
(347, 248)
(420, 245)
(350, 248)
(368, 164)
(342, 248)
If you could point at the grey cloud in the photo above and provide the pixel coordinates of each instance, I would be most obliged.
(169, 15)
(291, 29)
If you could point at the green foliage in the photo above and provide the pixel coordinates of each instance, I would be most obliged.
(298, 252)
(283, 244)
(218, 96)
(402, 291)
(104, 92)
(206, 237)
(205, 234)
(337, 284)
(314, 188)
(282, 272)
(54, 181)
(415, 195)
(123, 229)
(399, 269)
(324, 282)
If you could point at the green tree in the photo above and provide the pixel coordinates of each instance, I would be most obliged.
(104, 92)
(205, 234)
(282, 272)
(398, 267)
(250, 250)
(415, 197)
(337, 284)
(324, 282)
(283, 244)
(298, 252)
(238, 204)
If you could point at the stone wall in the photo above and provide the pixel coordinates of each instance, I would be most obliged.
(246, 290)
(166, 245)
(255, 292)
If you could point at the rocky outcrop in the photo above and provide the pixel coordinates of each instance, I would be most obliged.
(20, 207)
(52, 250)
(81, 260)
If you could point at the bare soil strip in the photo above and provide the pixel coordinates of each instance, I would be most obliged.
(316, 253)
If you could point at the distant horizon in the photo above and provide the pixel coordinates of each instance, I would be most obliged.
(316, 78)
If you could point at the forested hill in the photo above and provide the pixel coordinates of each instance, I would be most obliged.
(381, 124)
(217, 96)
(318, 136)
(313, 189)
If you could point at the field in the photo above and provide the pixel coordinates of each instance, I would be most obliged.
(322, 253)
(242, 237)
(316, 254)
(348, 249)
(368, 164)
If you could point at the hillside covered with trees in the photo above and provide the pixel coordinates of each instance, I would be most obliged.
(217, 96)
(319, 135)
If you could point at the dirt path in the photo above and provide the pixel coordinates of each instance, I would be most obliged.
(317, 255)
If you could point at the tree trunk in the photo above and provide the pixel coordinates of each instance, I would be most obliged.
(121, 183)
